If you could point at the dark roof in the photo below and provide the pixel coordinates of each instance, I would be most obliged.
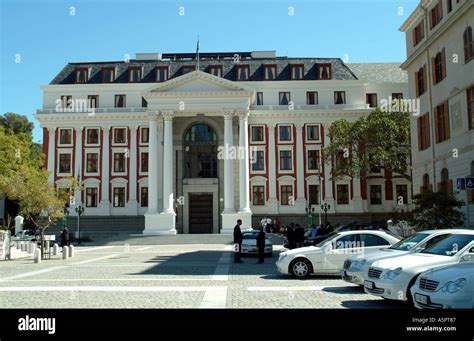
(379, 72)
(338, 69)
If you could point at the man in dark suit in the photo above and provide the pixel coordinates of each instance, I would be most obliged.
(261, 245)
(237, 242)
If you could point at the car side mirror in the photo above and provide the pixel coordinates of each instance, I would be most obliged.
(468, 257)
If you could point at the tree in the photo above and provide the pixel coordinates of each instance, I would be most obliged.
(434, 210)
(15, 123)
(381, 139)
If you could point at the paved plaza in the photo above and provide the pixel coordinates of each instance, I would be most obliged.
(169, 272)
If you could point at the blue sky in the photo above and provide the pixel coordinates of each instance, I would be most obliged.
(46, 36)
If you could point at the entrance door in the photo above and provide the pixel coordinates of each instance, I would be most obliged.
(200, 213)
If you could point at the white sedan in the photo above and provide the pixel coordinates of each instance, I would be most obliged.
(249, 243)
(328, 256)
(356, 266)
(393, 278)
(446, 287)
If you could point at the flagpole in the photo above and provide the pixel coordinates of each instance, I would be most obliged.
(197, 54)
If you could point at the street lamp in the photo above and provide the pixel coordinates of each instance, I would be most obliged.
(79, 210)
(325, 207)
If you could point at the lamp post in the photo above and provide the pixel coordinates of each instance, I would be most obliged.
(325, 207)
(79, 210)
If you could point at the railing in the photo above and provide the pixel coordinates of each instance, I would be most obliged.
(313, 107)
(90, 110)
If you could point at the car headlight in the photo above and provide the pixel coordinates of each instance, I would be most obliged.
(454, 286)
(392, 274)
(358, 265)
(282, 255)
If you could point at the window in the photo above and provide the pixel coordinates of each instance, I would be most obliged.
(144, 197)
(296, 71)
(375, 194)
(285, 98)
(92, 162)
(120, 101)
(161, 73)
(144, 135)
(426, 182)
(436, 14)
(367, 240)
(258, 195)
(144, 162)
(313, 159)
(93, 101)
(346, 242)
(339, 97)
(269, 72)
(439, 67)
(449, 5)
(65, 137)
(420, 81)
(82, 75)
(419, 33)
(423, 127)
(108, 74)
(443, 185)
(259, 98)
(187, 69)
(312, 133)
(257, 134)
(397, 96)
(284, 133)
(120, 135)
(134, 74)
(64, 163)
(119, 196)
(119, 162)
(442, 122)
(313, 194)
(468, 44)
(311, 97)
(258, 160)
(243, 72)
(215, 70)
(92, 136)
(470, 106)
(66, 102)
(324, 71)
(371, 100)
(91, 197)
(286, 194)
(285, 160)
(402, 194)
(342, 194)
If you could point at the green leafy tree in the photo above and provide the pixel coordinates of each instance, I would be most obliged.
(379, 139)
(435, 210)
(16, 124)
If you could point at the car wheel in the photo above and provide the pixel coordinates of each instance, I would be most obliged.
(300, 268)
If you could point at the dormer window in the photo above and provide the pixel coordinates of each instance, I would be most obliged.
(269, 72)
(297, 71)
(243, 72)
(108, 74)
(324, 71)
(215, 70)
(161, 73)
(187, 69)
(134, 74)
(82, 75)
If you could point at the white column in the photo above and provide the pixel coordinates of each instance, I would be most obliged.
(228, 165)
(244, 177)
(168, 201)
(51, 153)
(159, 164)
(300, 200)
(132, 202)
(105, 203)
(272, 200)
(330, 196)
(78, 170)
(153, 162)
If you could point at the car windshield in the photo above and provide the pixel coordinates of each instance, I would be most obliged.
(331, 237)
(451, 245)
(407, 243)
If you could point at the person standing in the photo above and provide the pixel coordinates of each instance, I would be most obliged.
(290, 236)
(237, 242)
(299, 236)
(65, 237)
(261, 246)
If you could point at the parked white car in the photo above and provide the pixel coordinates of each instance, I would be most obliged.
(392, 278)
(449, 287)
(356, 266)
(328, 256)
(249, 243)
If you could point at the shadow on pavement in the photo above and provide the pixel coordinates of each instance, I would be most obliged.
(376, 304)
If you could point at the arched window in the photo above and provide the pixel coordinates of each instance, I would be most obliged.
(200, 152)
(200, 134)
(468, 44)
(426, 182)
(444, 181)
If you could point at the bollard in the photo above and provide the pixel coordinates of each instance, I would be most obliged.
(65, 252)
(37, 257)
(71, 251)
(23, 246)
(28, 247)
(33, 247)
(55, 249)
